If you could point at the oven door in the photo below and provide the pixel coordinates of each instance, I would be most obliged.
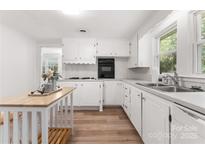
(106, 71)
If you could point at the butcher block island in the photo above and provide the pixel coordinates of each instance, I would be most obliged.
(37, 119)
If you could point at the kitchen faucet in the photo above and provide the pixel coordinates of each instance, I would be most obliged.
(174, 78)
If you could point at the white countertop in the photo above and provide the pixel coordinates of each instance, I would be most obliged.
(192, 100)
(88, 80)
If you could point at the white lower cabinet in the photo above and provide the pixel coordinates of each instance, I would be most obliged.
(187, 127)
(113, 93)
(136, 109)
(76, 101)
(126, 98)
(87, 94)
(155, 121)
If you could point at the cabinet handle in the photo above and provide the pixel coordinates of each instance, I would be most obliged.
(126, 96)
(138, 95)
(143, 99)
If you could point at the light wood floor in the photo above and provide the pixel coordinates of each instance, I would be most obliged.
(111, 126)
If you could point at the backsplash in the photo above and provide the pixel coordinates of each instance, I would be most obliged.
(79, 70)
(121, 70)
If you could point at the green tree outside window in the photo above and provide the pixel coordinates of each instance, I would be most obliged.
(168, 47)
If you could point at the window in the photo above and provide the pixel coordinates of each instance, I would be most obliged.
(168, 48)
(51, 58)
(200, 42)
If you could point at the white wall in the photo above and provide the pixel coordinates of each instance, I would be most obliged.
(18, 64)
(1, 64)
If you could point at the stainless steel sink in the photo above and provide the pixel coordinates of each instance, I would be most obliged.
(174, 89)
(167, 88)
(151, 84)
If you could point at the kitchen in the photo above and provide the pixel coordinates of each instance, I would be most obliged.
(141, 81)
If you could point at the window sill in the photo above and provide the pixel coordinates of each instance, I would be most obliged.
(193, 76)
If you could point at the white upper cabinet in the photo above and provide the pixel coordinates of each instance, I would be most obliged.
(145, 50)
(140, 51)
(79, 51)
(112, 48)
(133, 60)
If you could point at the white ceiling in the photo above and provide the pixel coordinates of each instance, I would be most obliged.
(47, 25)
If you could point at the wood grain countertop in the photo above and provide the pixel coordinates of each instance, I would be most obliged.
(35, 101)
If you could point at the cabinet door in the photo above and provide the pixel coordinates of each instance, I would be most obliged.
(70, 50)
(145, 50)
(121, 48)
(113, 93)
(76, 101)
(155, 120)
(188, 127)
(87, 51)
(109, 93)
(133, 60)
(136, 109)
(113, 47)
(126, 99)
(119, 93)
(105, 47)
(90, 94)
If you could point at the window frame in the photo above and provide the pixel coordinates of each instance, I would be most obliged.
(198, 42)
(60, 69)
(165, 32)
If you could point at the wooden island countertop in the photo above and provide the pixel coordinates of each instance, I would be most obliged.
(35, 101)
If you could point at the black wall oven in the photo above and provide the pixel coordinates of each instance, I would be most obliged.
(106, 68)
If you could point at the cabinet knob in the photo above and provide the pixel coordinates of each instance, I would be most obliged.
(143, 98)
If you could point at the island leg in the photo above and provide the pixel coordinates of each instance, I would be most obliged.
(44, 116)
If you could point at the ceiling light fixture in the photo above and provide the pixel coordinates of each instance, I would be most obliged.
(70, 12)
